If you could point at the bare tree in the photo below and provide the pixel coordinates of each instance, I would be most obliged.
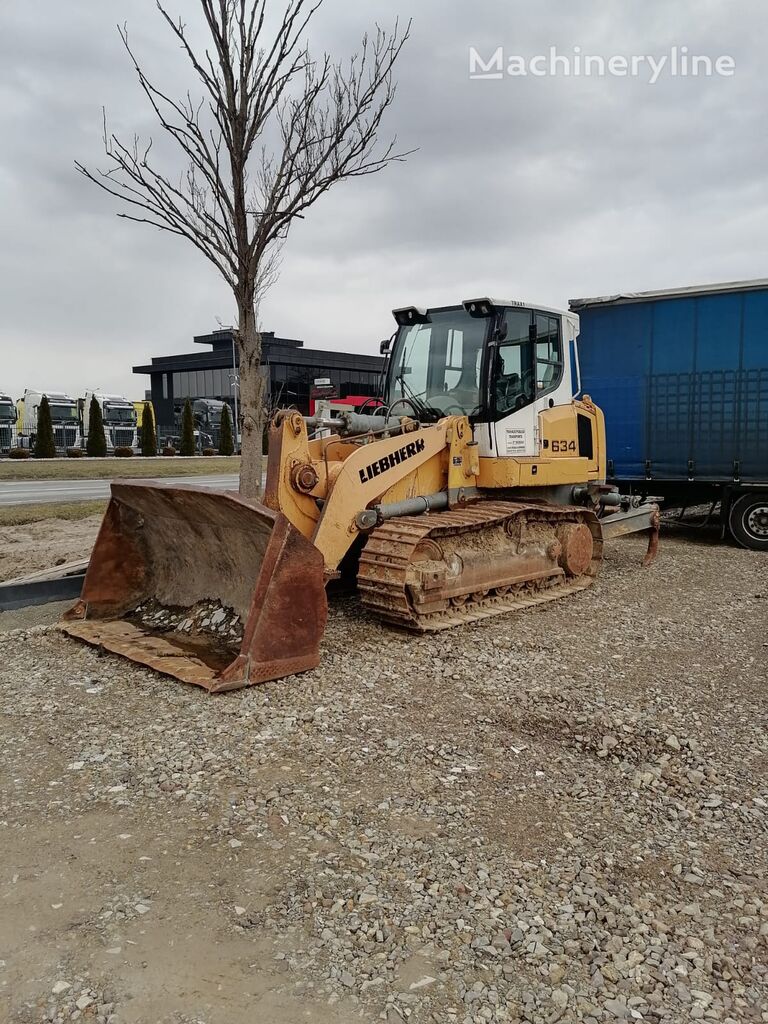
(272, 130)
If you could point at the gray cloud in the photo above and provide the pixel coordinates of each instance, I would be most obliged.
(539, 188)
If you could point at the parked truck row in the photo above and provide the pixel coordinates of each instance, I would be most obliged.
(70, 416)
(121, 419)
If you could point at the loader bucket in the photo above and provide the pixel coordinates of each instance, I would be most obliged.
(210, 588)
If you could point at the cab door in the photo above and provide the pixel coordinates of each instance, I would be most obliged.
(513, 388)
(526, 375)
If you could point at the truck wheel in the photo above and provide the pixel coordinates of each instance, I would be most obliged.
(748, 521)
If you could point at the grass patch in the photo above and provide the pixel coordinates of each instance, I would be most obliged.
(20, 515)
(109, 469)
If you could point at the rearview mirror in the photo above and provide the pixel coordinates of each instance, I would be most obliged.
(384, 346)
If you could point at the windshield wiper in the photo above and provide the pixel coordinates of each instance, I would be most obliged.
(422, 408)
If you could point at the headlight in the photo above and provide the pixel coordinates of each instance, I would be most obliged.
(479, 308)
(408, 315)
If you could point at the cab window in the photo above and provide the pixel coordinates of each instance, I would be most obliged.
(435, 366)
(549, 355)
(528, 362)
(453, 363)
(512, 374)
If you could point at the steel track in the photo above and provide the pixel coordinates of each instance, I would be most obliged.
(388, 553)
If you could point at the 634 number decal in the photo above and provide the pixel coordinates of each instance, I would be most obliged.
(563, 446)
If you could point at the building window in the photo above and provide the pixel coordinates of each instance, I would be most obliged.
(164, 377)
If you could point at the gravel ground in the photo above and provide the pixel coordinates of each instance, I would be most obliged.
(554, 816)
(38, 615)
(25, 549)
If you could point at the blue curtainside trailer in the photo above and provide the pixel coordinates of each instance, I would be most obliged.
(682, 377)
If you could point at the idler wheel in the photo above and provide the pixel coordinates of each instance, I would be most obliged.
(577, 548)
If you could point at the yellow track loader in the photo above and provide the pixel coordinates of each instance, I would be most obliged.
(475, 489)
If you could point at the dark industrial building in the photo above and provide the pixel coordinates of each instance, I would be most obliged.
(290, 369)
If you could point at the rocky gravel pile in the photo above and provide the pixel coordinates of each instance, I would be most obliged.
(560, 815)
(209, 617)
(69, 1001)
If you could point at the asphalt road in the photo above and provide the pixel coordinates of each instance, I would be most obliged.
(36, 492)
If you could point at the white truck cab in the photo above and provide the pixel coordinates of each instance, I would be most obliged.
(7, 424)
(119, 417)
(66, 426)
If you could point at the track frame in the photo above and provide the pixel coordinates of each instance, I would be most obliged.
(386, 570)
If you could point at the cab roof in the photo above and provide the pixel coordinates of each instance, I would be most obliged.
(496, 302)
(519, 303)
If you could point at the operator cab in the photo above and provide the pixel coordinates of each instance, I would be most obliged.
(486, 359)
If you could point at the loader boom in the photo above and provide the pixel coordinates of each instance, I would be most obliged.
(323, 485)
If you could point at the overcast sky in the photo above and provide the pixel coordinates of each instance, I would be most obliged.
(530, 187)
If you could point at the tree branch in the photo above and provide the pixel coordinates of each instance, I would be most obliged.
(269, 132)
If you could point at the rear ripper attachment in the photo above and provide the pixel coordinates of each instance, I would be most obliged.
(210, 588)
(437, 570)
